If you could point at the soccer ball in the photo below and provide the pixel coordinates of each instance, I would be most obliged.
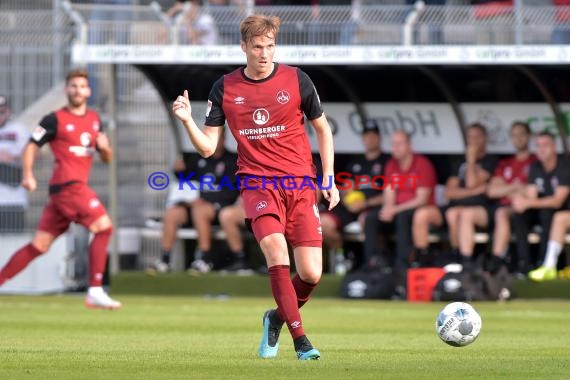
(458, 324)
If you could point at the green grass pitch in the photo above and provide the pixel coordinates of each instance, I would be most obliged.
(55, 337)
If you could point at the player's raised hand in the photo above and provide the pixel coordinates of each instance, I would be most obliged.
(181, 107)
(29, 183)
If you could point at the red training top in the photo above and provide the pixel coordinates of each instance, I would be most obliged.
(266, 117)
(513, 170)
(72, 139)
(420, 174)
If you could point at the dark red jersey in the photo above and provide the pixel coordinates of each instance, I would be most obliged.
(72, 139)
(266, 118)
(513, 170)
(420, 174)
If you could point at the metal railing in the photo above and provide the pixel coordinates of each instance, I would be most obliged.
(123, 24)
(477, 25)
(34, 51)
(380, 24)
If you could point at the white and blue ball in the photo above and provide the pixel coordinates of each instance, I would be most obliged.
(458, 324)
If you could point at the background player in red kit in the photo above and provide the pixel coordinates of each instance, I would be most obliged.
(509, 180)
(74, 134)
(264, 104)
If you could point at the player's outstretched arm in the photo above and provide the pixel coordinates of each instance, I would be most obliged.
(205, 141)
(326, 150)
(28, 157)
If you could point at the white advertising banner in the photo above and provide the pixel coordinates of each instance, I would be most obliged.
(433, 126)
(318, 55)
(499, 117)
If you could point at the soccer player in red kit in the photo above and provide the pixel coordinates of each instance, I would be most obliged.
(509, 180)
(74, 134)
(264, 104)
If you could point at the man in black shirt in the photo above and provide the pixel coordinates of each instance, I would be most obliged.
(546, 192)
(353, 206)
(466, 192)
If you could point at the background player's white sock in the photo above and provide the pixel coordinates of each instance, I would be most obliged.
(553, 250)
(95, 290)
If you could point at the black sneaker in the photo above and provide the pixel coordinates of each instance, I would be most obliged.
(240, 267)
(305, 350)
(494, 264)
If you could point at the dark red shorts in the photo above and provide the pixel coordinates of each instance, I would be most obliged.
(295, 209)
(74, 203)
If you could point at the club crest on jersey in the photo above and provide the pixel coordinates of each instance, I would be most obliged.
(260, 206)
(69, 127)
(260, 116)
(283, 97)
(96, 126)
(94, 203)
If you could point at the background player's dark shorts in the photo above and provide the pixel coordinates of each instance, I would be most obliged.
(295, 209)
(217, 206)
(490, 209)
(74, 203)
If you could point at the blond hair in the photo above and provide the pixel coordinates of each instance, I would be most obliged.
(259, 25)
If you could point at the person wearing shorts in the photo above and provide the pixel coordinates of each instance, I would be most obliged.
(468, 202)
(265, 104)
(509, 179)
(74, 134)
(546, 193)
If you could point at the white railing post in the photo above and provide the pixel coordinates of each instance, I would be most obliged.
(79, 21)
(410, 22)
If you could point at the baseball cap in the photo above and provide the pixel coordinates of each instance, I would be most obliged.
(370, 125)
